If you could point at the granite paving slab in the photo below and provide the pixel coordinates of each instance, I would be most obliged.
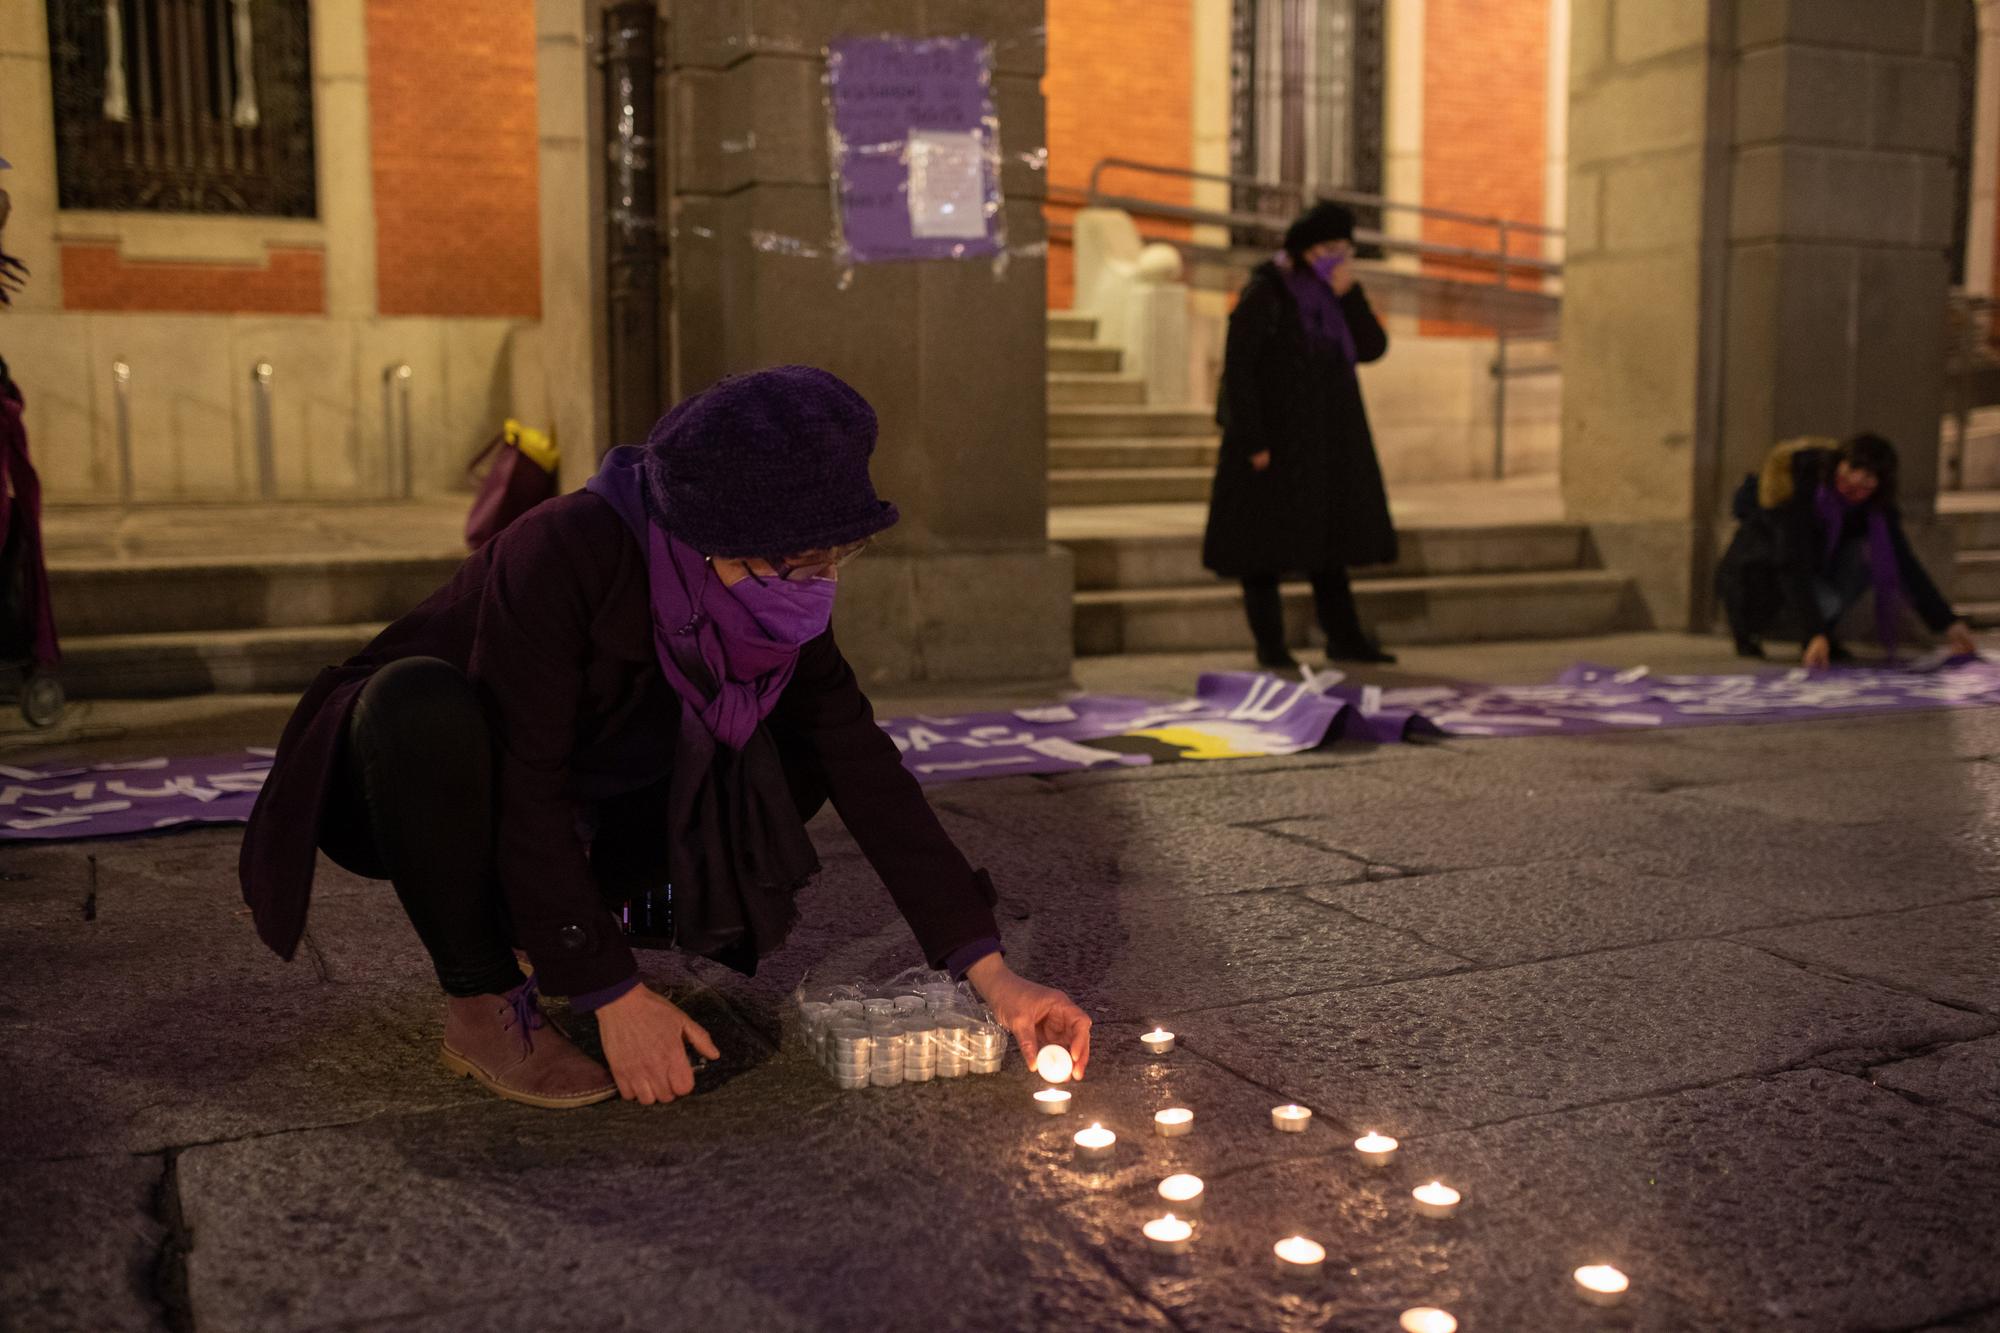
(1950, 954)
(1484, 1046)
(1516, 914)
(1964, 1076)
(79, 1242)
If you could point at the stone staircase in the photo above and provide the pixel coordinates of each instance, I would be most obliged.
(1128, 483)
(1974, 519)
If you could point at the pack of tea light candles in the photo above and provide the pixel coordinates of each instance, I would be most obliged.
(919, 1027)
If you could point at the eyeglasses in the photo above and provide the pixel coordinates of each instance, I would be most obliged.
(824, 567)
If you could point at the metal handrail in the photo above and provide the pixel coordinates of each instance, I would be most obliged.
(1382, 202)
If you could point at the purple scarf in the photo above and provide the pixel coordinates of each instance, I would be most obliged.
(1882, 568)
(701, 633)
(1319, 309)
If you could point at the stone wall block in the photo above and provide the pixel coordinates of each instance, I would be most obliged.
(1875, 25)
(1753, 345)
(1643, 29)
(1951, 22)
(1589, 40)
(705, 111)
(1659, 107)
(1757, 194)
(1898, 368)
(1653, 202)
(1913, 104)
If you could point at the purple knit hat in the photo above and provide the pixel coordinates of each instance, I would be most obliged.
(770, 463)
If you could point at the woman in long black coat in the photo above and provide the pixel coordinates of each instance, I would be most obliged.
(1297, 488)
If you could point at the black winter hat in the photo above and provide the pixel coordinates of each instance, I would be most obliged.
(770, 463)
(1324, 221)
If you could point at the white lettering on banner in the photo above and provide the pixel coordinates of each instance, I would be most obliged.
(1055, 747)
(1260, 702)
(77, 791)
(997, 735)
(921, 739)
(101, 808)
(1053, 713)
(52, 821)
(237, 782)
(1371, 700)
(950, 766)
(130, 766)
(180, 786)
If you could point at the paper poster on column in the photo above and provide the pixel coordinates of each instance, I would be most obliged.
(915, 148)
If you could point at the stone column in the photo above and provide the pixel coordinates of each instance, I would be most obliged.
(951, 355)
(1759, 213)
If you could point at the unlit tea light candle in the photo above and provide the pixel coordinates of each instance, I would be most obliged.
(1052, 1101)
(1436, 1199)
(1375, 1149)
(1428, 1319)
(1183, 1192)
(1053, 1064)
(1169, 1235)
(1094, 1144)
(1601, 1284)
(1291, 1119)
(1299, 1257)
(1157, 1042)
(1173, 1121)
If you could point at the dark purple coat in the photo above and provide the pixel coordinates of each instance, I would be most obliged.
(552, 624)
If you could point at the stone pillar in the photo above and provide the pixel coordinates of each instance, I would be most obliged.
(952, 356)
(1760, 212)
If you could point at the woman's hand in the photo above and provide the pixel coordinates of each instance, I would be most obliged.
(643, 1034)
(1036, 1015)
(1961, 640)
(1260, 460)
(1819, 652)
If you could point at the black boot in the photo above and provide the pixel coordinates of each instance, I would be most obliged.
(1748, 646)
(1265, 611)
(1340, 621)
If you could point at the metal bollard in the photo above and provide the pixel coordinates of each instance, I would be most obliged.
(396, 429)
(260, 406)
(121, 397)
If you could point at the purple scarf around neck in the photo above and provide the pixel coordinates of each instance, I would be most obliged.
(1319, 309)
(727, 671)
(1882, 569)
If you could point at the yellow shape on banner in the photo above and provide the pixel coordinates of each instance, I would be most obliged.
(1194, 743)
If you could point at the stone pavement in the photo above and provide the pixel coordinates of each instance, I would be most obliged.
(1721, 1007)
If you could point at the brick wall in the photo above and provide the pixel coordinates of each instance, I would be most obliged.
(451, 105)
(1120, 83)
(291, 281)
(1485, 125)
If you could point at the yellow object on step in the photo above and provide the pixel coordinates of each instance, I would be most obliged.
(538, 446)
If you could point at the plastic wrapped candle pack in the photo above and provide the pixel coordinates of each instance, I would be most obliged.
(916, 1027)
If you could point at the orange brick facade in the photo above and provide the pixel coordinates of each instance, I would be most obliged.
(1120, 83)
(451, 106)
(1485, 119)
(290, 282)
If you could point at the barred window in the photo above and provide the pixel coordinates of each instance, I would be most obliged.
(184, 106)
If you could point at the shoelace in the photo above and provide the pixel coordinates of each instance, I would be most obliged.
(527, 1011)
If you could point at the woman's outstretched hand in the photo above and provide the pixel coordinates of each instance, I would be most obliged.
(1036, 1015)
(1962, 642)
(645, 1035)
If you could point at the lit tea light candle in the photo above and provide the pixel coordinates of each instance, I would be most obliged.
(1095, 1144)
(1169, 1235)
(1183, 1192)
(1601, 1284)
(1375, 1149)
(1436, 1199)
(1291, 1119)
(1173, 1121)
(1299, 1257)
(1428, 1319)
(1052, 1101)
(1157, 1042)
(1053, 1064)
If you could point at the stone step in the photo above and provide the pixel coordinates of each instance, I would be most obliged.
(1063, 324)
(125, 597)
(1190, 451)
(256, 661)
(1446, 609)
(1977, 577)
(1974, 529)
(1107, 563)
(1129, 485)
(1980, 615)
(1073, 423)
(1084, 358)
(1070, 389)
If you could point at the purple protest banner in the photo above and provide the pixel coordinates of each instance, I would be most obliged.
(132, 796)
(915, 145)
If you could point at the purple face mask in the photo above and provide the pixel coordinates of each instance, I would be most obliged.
(789, 610)
(1326, 264)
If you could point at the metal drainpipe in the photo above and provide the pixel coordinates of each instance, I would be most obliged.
(632, 250)
(1500, 364)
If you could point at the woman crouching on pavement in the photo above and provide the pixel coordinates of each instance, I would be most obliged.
(629, 703)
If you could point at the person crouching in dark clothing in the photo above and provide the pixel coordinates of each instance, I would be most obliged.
(1817, 529)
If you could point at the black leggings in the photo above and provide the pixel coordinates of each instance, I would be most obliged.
(1333, 601)
(413, 804)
